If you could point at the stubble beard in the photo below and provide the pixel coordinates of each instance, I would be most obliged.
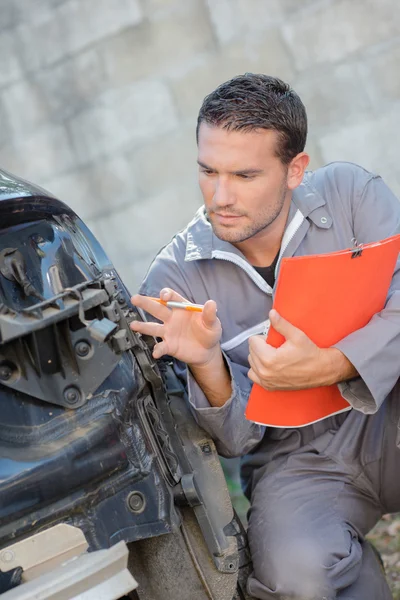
(259, 223)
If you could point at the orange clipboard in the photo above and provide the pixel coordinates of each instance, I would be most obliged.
(327, 296)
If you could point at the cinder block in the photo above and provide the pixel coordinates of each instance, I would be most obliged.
(380, 75)
(225, 18)
(39, 156)
(75, 189)
(9, 15)
(333, 97)
(10, 65)
(259, 14)
(156, 9)
(42, 42)
(127, 116)
(313, 149)
(97, 189)
(25, 108)
(33, 12)
(262, 52)
(333, 31)
(133, 272)
(70, 86)
(372, 144)
(90, 21)
(5, 130)
(159, 47)
(257, 53)
(72, 26)
(164, 162)
(233, 18)
(96, 132)
(145, 227)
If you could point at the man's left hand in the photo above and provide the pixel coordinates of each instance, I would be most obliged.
(298, 363)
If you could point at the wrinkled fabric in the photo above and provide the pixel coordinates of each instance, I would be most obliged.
(337, 203)
(334, 468)
(312, 507)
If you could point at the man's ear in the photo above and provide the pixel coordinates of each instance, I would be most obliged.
(296, 170)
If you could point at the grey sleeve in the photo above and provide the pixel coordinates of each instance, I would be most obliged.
(374, 350)
(233, 434)
(163, 272)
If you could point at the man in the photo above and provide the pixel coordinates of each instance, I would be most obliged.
(315, 492)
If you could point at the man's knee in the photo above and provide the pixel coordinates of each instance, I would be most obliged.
(305, 566)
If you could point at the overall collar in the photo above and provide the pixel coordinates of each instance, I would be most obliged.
(201, 240)
(311, 204)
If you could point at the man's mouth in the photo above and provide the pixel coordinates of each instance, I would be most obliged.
(225, 218)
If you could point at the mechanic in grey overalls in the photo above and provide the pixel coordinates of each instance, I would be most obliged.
(315, 491)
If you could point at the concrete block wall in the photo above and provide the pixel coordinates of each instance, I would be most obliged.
(98, 99)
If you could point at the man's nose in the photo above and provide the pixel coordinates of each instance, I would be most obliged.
(222, 194)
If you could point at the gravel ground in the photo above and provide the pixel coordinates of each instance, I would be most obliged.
(386, 538)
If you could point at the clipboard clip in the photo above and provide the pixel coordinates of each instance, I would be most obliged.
(356, 249)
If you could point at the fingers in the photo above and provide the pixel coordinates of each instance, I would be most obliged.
(151, 306)
(147, 328)
(261, 356)
(257, 343)
(252, 375)
(260, 350)
(169, 295)
(289, 331)
(255, 363)
(209, 314)
(251, 362)
(255, 374)
(160, 350)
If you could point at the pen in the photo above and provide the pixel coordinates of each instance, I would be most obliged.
(184, 305)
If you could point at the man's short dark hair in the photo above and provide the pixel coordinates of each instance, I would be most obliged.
(249, 102)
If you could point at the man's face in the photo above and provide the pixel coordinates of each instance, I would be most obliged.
(244, 184)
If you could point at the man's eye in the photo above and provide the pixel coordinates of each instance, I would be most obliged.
(206, 171)
(245, 176)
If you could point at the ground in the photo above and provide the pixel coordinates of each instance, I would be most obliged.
(386, 537)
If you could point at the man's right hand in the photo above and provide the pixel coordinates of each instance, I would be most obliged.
(190, 337)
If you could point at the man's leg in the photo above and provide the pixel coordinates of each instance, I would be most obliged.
(306, 528)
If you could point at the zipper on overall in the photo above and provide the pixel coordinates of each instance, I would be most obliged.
(261, 328)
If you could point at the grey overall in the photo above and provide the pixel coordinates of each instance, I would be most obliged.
(316, 491)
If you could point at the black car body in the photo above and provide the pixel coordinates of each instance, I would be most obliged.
(93, 432)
